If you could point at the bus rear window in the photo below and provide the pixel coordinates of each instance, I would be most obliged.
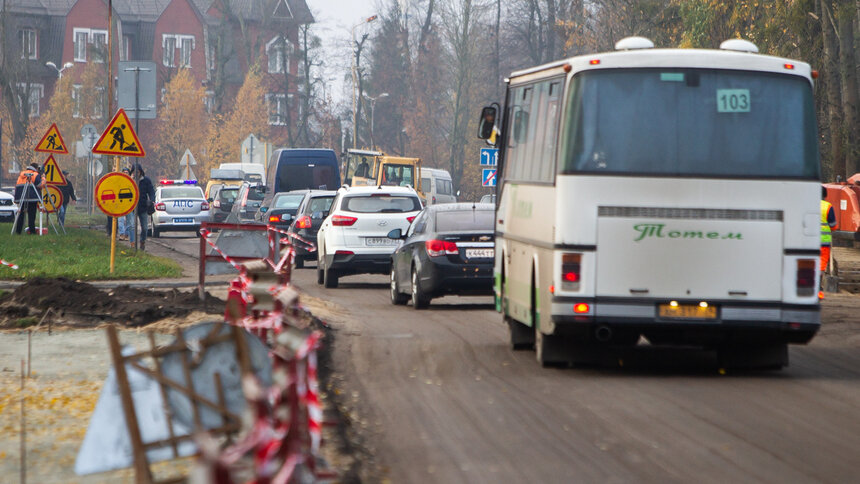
(691, 122)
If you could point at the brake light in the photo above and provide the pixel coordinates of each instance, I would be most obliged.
(581, 308)
(438, 248)
(274, 218)
(304, 222)
(216, 204)
(806, 277)
(571, 271)
(410, 219)
(204, 206)
(160, 206)
(434, 198)
(342, 220)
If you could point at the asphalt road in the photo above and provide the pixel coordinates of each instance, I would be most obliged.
(442, 398)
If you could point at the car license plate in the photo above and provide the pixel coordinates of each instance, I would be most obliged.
(183, 220)
(379, 241)
(480, 253)
(687, 311)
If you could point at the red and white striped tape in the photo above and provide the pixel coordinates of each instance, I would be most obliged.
(9, 264)
(311, 246)
(205, 234)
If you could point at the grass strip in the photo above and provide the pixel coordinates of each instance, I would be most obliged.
(81, 254)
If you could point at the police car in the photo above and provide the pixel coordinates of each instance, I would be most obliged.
(179, 206)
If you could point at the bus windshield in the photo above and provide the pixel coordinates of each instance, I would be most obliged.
(690, 122)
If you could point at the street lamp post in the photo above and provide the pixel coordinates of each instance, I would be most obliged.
(372, 104)
(59, 70)
(355, 79)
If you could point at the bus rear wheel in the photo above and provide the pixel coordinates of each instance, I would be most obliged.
(522, 337)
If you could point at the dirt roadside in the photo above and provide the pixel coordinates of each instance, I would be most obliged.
(70, 360)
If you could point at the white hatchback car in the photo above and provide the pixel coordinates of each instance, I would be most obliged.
(353, 239)
(179, 206)
(8, 208)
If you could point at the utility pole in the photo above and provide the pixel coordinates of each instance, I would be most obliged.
(356, 50)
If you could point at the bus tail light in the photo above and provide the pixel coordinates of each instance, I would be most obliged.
(342, 220)
(571, 271)
(438, 248)
(581, 308)
(806, 277)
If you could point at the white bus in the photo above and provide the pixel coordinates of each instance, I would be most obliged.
(670, 194)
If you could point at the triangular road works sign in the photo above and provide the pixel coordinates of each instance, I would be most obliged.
(119, 138)
(52, 142)
(53, 173)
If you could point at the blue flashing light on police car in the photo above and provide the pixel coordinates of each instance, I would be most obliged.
(177, 182)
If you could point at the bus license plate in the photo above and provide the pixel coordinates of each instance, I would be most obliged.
(480, 253)
(687, 311)
(183, 220)
(379, 241)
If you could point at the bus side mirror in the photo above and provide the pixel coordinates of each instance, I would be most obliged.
(487, 122)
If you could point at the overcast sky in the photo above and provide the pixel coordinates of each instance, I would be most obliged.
(334, 19)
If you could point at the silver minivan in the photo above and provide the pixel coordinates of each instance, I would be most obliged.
(437, 185)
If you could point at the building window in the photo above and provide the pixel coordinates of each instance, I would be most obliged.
(99, 41)
(28, 43)
(84, 37)
(81, 44)
(99, 103)
(126, 48)
(209, 101)
(276, 52)
(37, 91)
(277, 105)
(185, 46)
(76, 100)
(169, 46)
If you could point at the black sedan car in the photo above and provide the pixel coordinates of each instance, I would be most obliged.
(448, 249)
(311, 212)
(283, 209)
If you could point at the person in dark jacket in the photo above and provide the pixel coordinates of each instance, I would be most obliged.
(68, 191)
(28, 197)
(147, 197)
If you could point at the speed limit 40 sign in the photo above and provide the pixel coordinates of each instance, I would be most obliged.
(52, 197)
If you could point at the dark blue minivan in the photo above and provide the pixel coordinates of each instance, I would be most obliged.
(300, 169)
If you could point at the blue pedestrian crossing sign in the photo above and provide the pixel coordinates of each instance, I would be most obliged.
(488, 177)
(489, 156)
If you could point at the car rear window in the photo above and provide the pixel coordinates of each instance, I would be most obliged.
(381, 203)
(181, 192)
(450, 221)
(319, 204)
(226, 195)
(255, 194)
(288, 201)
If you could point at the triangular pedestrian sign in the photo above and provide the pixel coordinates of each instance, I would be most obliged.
(119, 138)
(52, 142)
(53, 173)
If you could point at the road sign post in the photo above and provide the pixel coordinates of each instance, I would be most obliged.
(120, 139)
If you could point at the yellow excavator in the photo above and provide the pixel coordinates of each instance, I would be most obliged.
(375, 168)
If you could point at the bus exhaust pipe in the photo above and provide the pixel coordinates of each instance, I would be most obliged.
(603, 333)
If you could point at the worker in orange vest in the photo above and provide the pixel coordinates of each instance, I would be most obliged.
(28, 197)
(828, 222)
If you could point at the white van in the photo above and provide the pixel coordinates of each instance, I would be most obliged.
(437, 185)
(254, 172)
